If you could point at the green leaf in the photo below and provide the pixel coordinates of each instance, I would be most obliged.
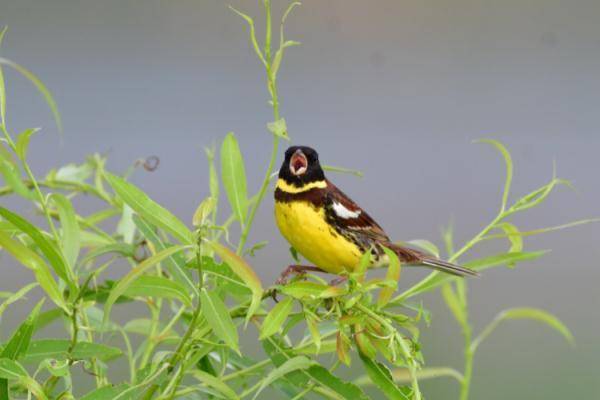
(509, 168)
(535, 314)
(278, 128)
(12, 297)
(11, 370)
(39, 86)
(403, 375)
(123, 249)
(233, 175)
(31, 260)
(311, 290)
(293, 364)
(279, 354)
(124, 283)
(203, 212)
(20, 340)
(157, 286)
(515, 239)
(213, 181)
(175, 264)
(218, 318)
(215, 383)
(12, 177)
(393, 275)
(22, 144)
(70, 228)
(276, 317)
(226, 278)
(244, 271)
(106, 392)
(381, 376)
(126, 226)
(454, 304)
(58, 349)
(150, 210)
(47, 247)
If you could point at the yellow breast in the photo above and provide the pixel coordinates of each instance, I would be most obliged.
(305, 228)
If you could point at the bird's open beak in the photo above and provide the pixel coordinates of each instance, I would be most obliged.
(298, 163)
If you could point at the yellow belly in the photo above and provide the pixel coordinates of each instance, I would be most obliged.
(305, 228)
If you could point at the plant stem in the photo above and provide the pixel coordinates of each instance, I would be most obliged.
(272, 87)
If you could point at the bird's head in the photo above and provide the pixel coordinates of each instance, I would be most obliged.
(301, 166)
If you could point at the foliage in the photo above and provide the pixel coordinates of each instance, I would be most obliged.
(201, 295)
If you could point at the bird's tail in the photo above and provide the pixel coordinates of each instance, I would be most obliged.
(415, 257)
(447, 267)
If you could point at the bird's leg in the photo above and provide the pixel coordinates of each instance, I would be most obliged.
(295, 269)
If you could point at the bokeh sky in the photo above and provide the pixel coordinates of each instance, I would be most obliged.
(396, 89)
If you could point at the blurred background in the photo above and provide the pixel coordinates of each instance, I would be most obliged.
(396, 89)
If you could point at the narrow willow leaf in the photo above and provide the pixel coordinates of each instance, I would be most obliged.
(22, 144)
(361, 270)
(58, 349)
(311, 323)
(12, 177)
(342, 348)
(343, 170)
(403, 375)
(217, 315)
(47, 247)
(233, 176)
(509, 168)
(276, 317)
(515, 239)
(535, 314)
(149, 209)
(215, 383)
(293, 364)
(123, 249)
(135, 273)
(305, 290)
(363, 341)
(278, 128)
(39, 86)
(537, 196)
(245, 272)
(381, 376)
(21, 338)
(279, 354)
(453, 303)
(33, 261)
(157, 286)
(426, 245)
(393, 275)
(226, 279)
(70, 228)
(175, 264)
(10, 369)
(204, 210)
(106, 393)
(126, 226)
(11, 298)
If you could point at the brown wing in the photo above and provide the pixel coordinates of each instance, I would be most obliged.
(346, 215)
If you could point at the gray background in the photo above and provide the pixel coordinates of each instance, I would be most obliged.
(397, 89)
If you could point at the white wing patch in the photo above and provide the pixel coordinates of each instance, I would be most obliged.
(343, 212)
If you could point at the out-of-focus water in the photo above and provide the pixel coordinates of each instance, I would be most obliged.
(396, 89)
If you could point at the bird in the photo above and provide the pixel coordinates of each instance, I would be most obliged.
(329, 229)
